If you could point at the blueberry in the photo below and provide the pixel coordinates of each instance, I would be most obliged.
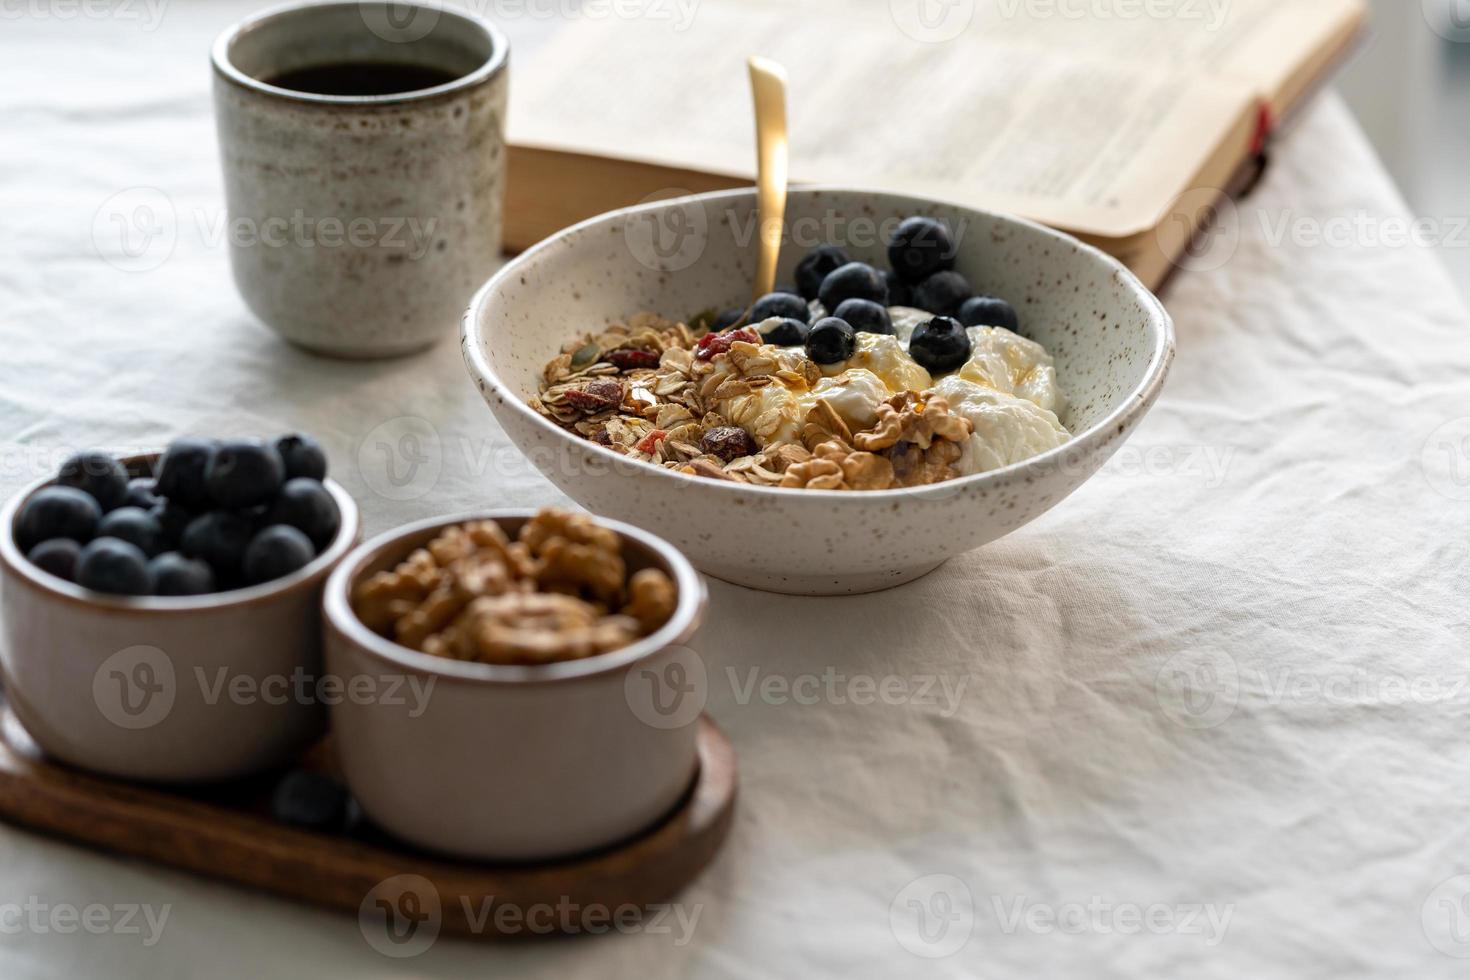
(173, 574)
(782, 305)
(899, 292)
(943, 294)
(97, 474)
(113, 565)
(278, 550)
(218, 538)
(853, 281)
(302, 456)
(172, 518)
(785, 332)
(727, 319)
(865, 316)
(135, 526)
(831, 341)
(939, 345)
(181, 472)
(307, 506)
(919, 248)
(989, 311)
(57, 512)
(243, 473)
(815, 266)
(57, 556)
(311, 800)
(140, 494)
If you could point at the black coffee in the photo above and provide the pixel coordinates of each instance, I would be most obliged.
(361, 78)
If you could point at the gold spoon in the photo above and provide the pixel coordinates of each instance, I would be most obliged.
(768, 86)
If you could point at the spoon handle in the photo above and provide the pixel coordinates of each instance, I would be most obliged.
(768, 86)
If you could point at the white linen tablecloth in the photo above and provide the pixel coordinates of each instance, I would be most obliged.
(1207, 718)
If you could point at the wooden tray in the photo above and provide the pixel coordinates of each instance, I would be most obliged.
(227, 832)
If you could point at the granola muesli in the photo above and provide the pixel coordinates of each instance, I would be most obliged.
(915, 380)
(559, 591)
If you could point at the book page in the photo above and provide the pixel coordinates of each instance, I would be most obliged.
(1095, 146)
(1090, 115)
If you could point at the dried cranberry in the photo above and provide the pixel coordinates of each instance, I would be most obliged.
(719, 343)
(598, 395)
(649, 443)
(728, 442)
(629, 358)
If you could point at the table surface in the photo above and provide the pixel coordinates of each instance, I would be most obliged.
(1202, 719)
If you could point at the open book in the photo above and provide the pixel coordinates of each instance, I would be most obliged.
(1120, 121)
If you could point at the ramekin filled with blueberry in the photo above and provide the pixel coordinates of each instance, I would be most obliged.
(162, 612)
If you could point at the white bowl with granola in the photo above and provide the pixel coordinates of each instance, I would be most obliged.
(865, 425)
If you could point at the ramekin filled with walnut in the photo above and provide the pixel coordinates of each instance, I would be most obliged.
(520, 681)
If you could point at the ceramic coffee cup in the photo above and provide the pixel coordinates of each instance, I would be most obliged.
(363, 146)
(500, 762)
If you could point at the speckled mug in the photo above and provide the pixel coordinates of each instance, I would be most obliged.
(359, 226)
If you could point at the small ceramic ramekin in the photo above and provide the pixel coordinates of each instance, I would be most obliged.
(496, 762)
(182, 689)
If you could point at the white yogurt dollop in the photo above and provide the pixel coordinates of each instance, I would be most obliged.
(1008, 429)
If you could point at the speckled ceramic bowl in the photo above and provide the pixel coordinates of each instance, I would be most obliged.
(1112, 341)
